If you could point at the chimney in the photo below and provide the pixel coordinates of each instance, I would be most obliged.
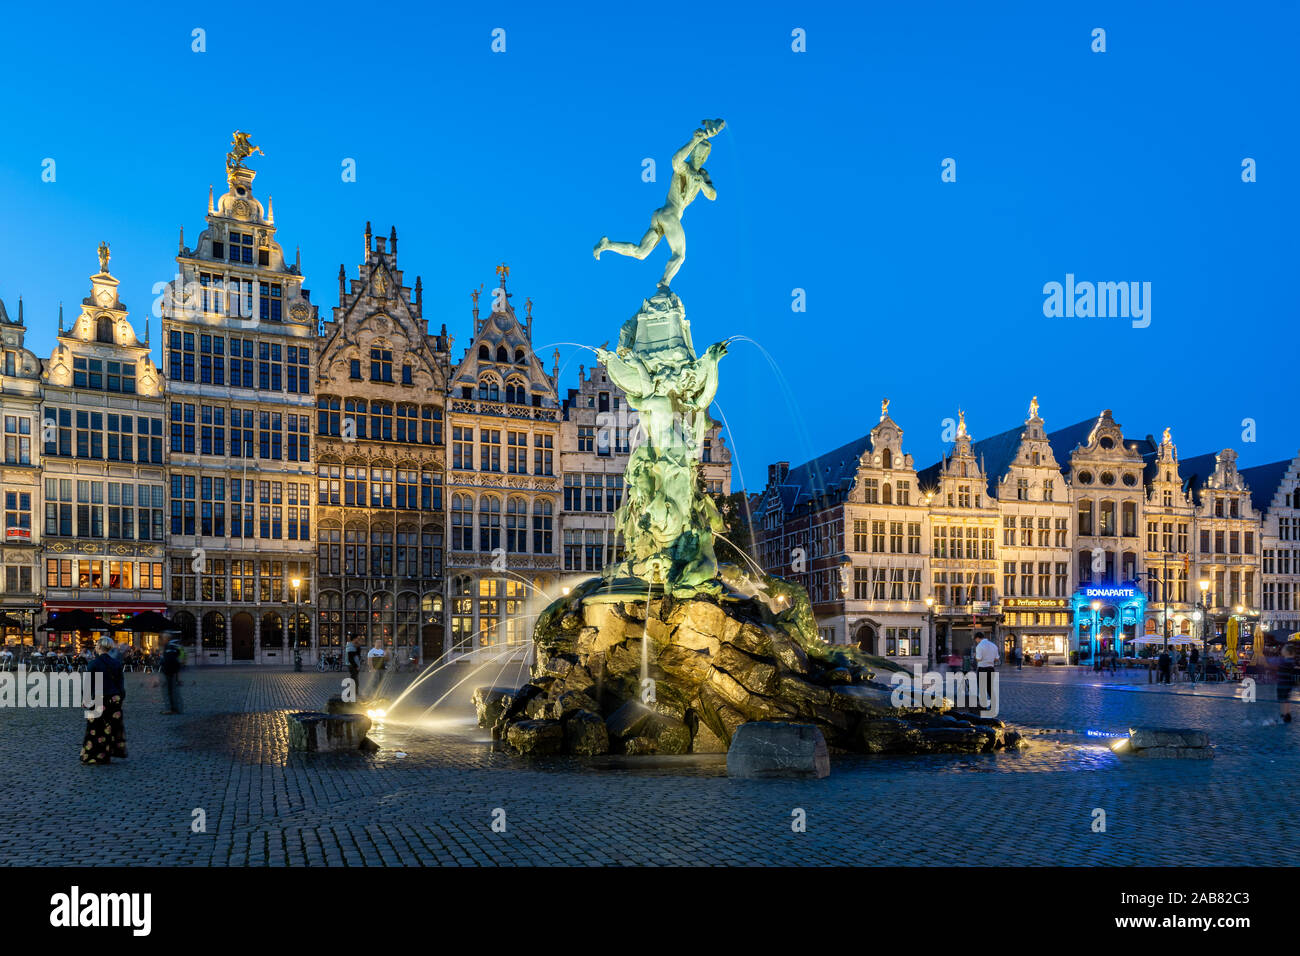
(776, 473)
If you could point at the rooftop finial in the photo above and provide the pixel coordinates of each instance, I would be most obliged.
(181, 241)
(884, 409)
(1165, 439)
(104, 256)
(368, 235)
(961, 423)
(392, 240)
(270, 210)
(503, 273)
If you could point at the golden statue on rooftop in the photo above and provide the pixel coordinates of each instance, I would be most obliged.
(240, 149)
(103, 257)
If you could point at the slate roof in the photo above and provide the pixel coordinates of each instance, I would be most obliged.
(831, 475)
(1263, 481)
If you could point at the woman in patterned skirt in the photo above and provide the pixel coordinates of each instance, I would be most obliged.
(105, 734)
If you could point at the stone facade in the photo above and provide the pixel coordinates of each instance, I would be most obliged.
(20, 476)
(381, 386)
(1034, 546)
(1280, 563)
(1080, 507)
(103, 464)
(240, 342)
(503, 481)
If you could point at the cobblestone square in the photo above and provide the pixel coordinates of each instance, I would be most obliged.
(428, 796)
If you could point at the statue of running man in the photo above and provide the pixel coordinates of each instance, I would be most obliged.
(689, 179)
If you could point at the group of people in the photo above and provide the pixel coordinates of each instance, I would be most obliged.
(1188, 664)
(105, 736)
(375, 660)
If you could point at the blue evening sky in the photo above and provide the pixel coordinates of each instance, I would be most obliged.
(1122, 166)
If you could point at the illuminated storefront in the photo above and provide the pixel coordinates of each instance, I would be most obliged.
(1107, 617)
(1036, 626)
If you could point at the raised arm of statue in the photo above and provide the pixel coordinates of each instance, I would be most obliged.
(708, 130)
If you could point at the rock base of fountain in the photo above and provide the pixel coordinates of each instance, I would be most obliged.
(312, 731)
(665, 674)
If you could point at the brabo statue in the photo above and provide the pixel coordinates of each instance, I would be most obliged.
(671, 651)
(666, 520)
(689, 179)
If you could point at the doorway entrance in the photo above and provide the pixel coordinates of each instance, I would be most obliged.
(241, 637)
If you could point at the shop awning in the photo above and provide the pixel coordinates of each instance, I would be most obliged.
(106, 607)
(148, 622)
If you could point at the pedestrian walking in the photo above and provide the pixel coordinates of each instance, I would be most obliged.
(986, 658)
(1195, 660)
(172, 659)
(1287, 669)
(105, 734)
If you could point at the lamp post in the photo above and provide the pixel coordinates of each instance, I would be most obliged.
(1204, 585)
(929, 614)
(297, 654)
(1096, 627)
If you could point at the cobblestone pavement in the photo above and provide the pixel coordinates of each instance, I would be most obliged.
(428, 797)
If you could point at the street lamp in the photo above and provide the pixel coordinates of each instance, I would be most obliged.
(929, 613)
(1096, 628)
(1204, 585)
(297, 654)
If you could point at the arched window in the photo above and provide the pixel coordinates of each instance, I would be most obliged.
(484, 354)
(104, 329)
(408, 619)
(381, 617)
(331, 619)
(516, 391)
(462, 614)
(489, 523)
(184, 622)
(887, 459)
(887, 491)
(462, 523)
(516, 525)
(542, 514)
(520, 358)
(214, 631)
(355, 617)
(502, 354)
(489, 389)
(272, 630)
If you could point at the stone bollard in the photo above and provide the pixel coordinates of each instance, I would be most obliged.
(778, 749)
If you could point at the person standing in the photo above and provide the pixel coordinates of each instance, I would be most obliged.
(1195, 659)
(1165, 663)
(105, 734)
(352, 653)
(171, 676)
(377, 659)
(986, 658)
